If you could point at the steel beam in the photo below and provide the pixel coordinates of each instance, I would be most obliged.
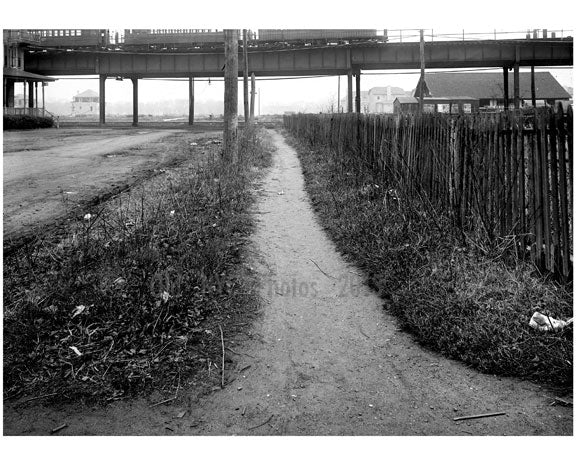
(191, 100)
(506, 96)
(309, 61)
(358, 98)
(102, 99)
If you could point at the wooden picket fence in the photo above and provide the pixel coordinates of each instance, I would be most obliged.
(506, 175)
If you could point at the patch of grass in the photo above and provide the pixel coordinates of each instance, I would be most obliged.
(463, 300)
(132, 296)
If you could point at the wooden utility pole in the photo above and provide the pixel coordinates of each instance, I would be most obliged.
(231, 94)
(349, 95)
(422, 71)
(245, 56)
(252, 95)
(358, 94)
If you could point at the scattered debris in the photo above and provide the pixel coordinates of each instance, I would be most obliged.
(244, 368)
(238, 353)
(76, 351)
(546, 323)
(181, 414)
(281, 193)
(322, 271)
(87, 216)
(36, 398)
(59, 428)
(223, 353)
(163, 401)
(562, 401)
(78, 310)
(243, 411)
(261, 424)
(480, 415)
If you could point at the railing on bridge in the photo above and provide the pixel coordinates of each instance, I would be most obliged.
(18, 36)
(431, 35)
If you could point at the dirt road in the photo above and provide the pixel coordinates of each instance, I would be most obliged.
(48, 171)
(323, 359)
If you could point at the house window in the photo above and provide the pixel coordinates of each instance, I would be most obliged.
(467, 107)
(429, 108)
(443, 108)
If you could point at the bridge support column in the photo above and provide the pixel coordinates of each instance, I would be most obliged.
(506, 96)
(190, 101)
(134, 101)
(102, 99)
(358, 100)
(516, 85)
(517, 79)
(349, 91)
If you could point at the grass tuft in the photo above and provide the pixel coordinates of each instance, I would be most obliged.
(461, 299)
(132, 295)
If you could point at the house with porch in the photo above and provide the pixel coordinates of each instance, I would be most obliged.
(14, 76)
(488, 88)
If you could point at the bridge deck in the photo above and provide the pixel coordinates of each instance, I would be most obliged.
(329, 60)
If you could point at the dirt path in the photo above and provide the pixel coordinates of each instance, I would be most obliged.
(324, 359)
(47, 172)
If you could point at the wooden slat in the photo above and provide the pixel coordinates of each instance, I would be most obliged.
(563, 188)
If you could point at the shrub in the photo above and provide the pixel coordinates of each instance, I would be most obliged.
(27, 122)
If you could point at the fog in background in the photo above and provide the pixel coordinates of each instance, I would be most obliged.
(274, 96)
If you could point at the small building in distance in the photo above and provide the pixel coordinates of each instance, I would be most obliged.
(488, 88)
(381, 99)
(449, 105)
(86, 103)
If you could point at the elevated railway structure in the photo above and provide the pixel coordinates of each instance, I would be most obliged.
(281, 54)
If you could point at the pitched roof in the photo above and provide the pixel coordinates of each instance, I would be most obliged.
(384, 90)
(407, 99)
(491, 85)
(87, 93)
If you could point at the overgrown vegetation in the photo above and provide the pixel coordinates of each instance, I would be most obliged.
(27, 122)
(456, 293)
(132, 296)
